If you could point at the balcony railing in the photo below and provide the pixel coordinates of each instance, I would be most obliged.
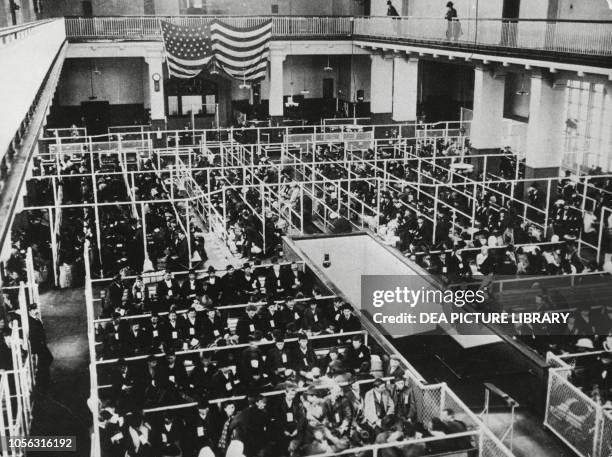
(578, 37)
(592, 38)
(149, 27)
(17, 32)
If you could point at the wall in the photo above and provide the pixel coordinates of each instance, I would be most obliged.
(166, 7)
(25, 13)
(62, 8)
(534, 9)
(465, 8)
(310, 70)
(580, 10)
(290, 7)
(120, 81)
(117, 7)
(29, 60)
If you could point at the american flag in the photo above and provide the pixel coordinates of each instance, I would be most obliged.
(241, 52)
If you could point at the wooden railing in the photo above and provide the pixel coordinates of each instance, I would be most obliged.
(579, 37)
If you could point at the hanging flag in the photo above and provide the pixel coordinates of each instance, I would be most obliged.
(241, 52)
(188, 49)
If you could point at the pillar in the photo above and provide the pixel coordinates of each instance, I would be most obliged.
(487, 128)
(381, 90)
(606, 140)
(275, 102)
(544, 149)
(156, 91)
(488, 114)
(405, 89)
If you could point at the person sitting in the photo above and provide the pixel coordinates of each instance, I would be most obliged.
(377, 403)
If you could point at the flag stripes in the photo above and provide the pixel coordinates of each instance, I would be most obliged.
(241, 52)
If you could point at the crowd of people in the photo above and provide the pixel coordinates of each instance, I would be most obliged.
(325, 388)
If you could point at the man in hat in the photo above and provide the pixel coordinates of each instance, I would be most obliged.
(295, 280)
(252, 426)
(347, 321)
(230, 286)
(304, 357)
(202, 428)
(357, 353)
(245, 279)
(224, 384)
(377, 404)
(193, 329)
(212, 285)
(247, 324)
(38, 345)
(214, 328)
(313, 319)
(192, 287)
(167, 290)
(278, 357)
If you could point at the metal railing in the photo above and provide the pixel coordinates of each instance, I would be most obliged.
(149, 27)
(563, 36)
(577, 419)
(583, 37)
(17, 32)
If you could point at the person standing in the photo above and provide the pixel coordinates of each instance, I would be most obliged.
(453, 29)
(391, 11)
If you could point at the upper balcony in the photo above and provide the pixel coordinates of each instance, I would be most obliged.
(573, 41)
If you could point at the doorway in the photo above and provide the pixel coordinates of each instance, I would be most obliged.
(329, 103)
(87, 9)
(96, 116)
(510, 15)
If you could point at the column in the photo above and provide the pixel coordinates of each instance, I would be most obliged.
(381, 91)
(488, 114)
(405, 89)
(156, 90)
(276, 107)
(545, 129)
(606, 139)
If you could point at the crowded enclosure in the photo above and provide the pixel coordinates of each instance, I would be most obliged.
(295, 228)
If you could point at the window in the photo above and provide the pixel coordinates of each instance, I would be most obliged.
(274, 9)
(191, 104)
(585, 131)
(173, 108)
(210, 104)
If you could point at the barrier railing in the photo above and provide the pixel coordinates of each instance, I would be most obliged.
(577, 419)
(583, 37)
(148, 27)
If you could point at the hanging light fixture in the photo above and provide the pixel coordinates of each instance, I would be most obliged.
(290, 103)
(244, 84)
(328, 67)
(305, 91)
(214, 70)
(523, 90)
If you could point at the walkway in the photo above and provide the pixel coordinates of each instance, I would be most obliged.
(63, 410)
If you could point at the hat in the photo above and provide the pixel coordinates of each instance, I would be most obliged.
(211, 269)
(585, 343)
(378, 382)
